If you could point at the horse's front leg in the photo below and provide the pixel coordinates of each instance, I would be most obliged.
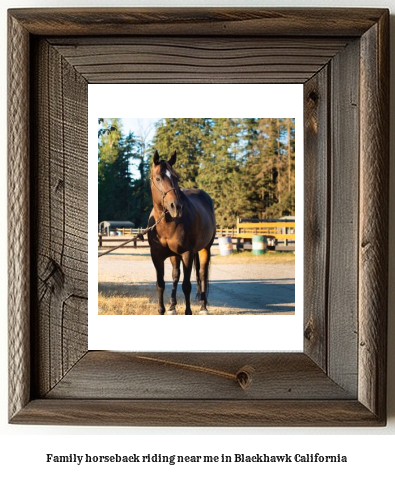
(187, 262)
(160, 282)
(175, 260)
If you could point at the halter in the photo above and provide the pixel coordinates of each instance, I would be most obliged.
(164, 194)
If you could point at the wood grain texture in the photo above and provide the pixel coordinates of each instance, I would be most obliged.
(259, 22)
(51, 272)
(344, 216)
(196, 376)
(316, 214)
(224, 60)
(202, 413)
(60, 202)
(18, 218)
(373, 232)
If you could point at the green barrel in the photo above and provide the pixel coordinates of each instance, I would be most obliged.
(259, 245)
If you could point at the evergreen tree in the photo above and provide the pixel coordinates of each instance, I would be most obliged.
(186, 136)
(114, 179)
(270, 161)
(141, 195)
(222, 172)
(246, 165)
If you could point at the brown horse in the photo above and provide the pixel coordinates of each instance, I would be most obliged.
(183, 228)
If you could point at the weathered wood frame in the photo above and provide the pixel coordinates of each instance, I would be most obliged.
(342, 57)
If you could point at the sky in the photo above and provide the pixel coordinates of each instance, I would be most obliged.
(140, 127)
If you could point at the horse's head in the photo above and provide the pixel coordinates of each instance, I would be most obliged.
(165, 189)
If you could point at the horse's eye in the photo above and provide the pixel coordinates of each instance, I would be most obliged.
(158, 179)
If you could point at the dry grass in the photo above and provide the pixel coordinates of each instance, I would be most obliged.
(247, 257)
(124, 305)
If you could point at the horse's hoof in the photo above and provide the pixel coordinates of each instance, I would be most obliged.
(204, 312)
(171, 312)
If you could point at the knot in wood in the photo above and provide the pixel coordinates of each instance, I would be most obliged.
(244, 376)
(309, 332)
(313, 96)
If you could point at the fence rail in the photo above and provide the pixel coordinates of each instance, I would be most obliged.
(282, 231)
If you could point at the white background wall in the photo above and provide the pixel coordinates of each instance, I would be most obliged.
(23, 449)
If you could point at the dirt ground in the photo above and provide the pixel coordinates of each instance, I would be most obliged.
(235, 288)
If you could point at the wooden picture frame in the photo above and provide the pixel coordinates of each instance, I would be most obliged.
(342, 58)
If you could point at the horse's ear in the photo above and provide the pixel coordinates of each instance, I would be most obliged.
(173, 158)
(156, 158)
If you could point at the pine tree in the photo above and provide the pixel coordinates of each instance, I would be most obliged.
(141, 196)
(186, 136)
(270, 161)
(114, 178)
(246, 165)
(222, 173)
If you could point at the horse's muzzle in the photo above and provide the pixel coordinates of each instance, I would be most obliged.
(175, 209)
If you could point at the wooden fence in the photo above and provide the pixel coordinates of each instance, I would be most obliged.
(282, 231)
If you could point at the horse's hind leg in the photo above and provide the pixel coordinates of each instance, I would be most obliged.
(175, 260)
(187, 262)
(204, 262)
(160, 282)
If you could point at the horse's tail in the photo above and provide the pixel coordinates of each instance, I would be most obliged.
(196, 262)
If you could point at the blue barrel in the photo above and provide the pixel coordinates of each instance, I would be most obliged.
(259, 245)
(225, 245)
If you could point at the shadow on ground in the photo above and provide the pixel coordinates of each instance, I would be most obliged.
(242, 297)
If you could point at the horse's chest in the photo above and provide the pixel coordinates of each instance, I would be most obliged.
(176, 246)
(177, 243)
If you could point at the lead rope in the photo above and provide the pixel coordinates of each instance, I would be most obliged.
(139, 235)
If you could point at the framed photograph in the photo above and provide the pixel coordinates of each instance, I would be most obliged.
(340, 60)
(248, 166)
